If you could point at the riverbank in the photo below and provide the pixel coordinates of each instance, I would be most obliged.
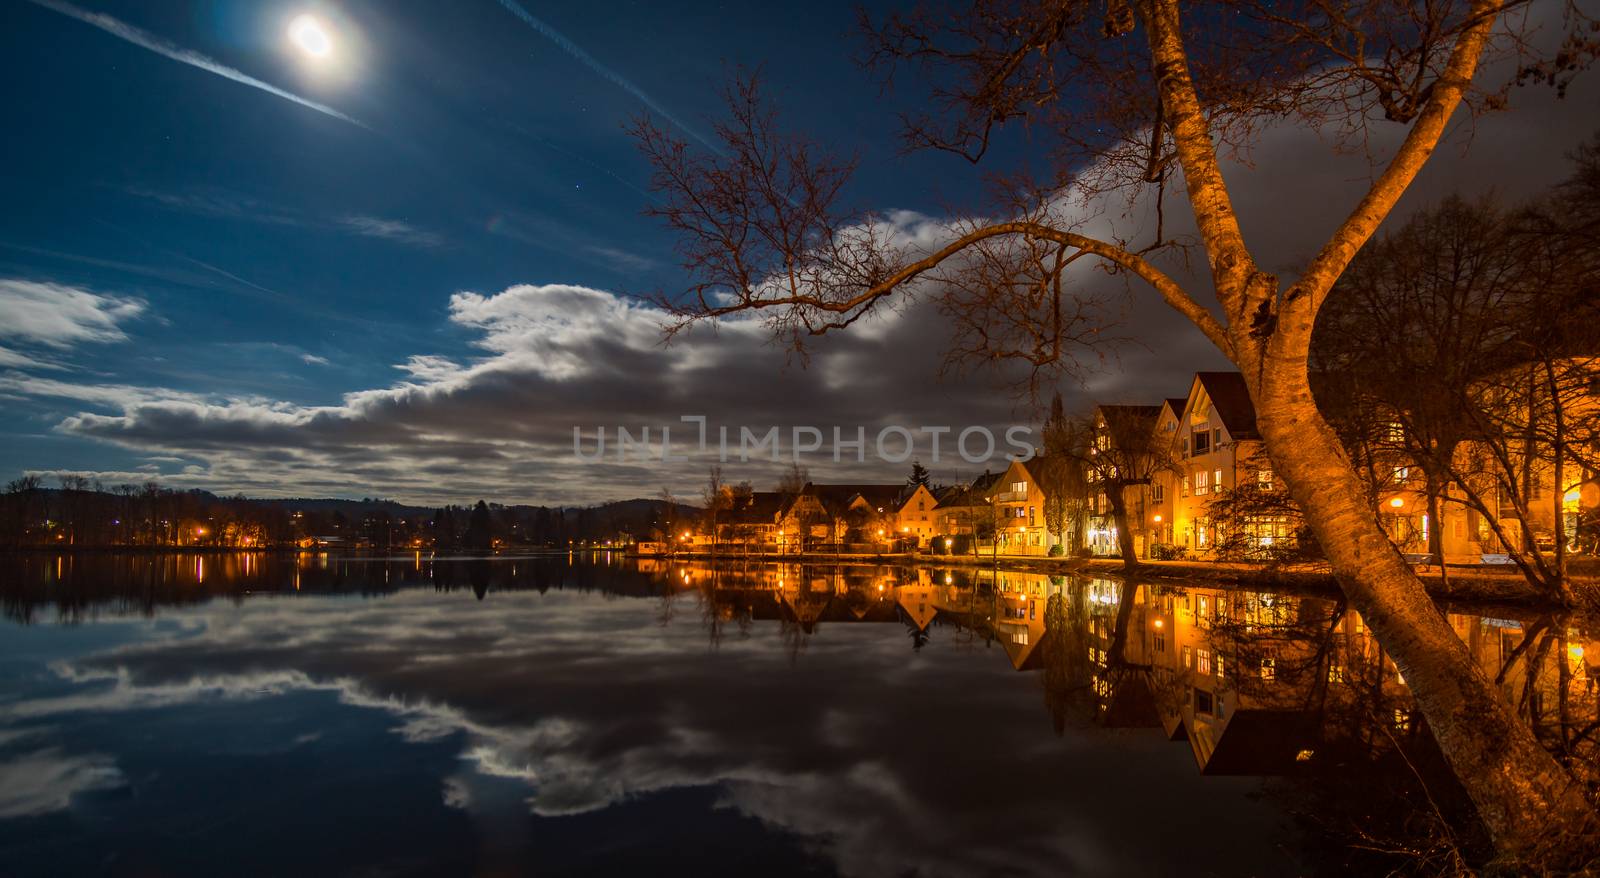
(1460, 584)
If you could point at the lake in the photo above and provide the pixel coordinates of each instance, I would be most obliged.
(262, 714)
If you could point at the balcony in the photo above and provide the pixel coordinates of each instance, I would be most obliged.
(1011, 497)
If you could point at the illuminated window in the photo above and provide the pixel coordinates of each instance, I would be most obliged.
(1203, 661)
(1219, 666)
(1336, 673)
(1188, 657)
(1402, 719)
(1202, 482)
(1264, 478)
(1184, 491)
(1269, 669)
(1157, 492)
(1160, 643)
(1020, 487)
(1216, 479)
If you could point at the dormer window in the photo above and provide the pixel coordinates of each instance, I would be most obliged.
(1202, 441)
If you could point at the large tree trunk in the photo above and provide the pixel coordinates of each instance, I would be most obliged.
(1524, 797)
(1116, 495)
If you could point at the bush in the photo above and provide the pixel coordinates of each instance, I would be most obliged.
(1056, 551)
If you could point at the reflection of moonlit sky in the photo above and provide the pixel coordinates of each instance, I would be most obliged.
(882, 760)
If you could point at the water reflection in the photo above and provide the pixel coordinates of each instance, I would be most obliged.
(865, 720)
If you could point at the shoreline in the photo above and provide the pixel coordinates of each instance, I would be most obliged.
(1466, 584)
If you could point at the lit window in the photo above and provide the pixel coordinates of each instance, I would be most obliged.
(1188, 657)
(1202, 482)
(1264, 478)
(1269, 669)
(1203, 661)
(1335, 673)
(1184, 491)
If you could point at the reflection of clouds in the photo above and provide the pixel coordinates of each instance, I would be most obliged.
(46, 780)
(889, 762)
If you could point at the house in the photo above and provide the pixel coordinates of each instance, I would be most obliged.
(752, 520)
(963, 513)
(1216, 449)
(1125, 453)
(1019, 502)
(915, 515)
(834, 514)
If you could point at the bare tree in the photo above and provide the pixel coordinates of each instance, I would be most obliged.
(1146, 88)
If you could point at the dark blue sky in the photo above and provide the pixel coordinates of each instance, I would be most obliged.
(212, 285)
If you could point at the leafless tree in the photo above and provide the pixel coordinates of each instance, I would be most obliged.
(1127, 93)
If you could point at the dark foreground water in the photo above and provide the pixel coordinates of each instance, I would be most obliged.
(243, 715)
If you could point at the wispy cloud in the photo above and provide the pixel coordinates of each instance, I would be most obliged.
(605, 72)
(313, 360)
(392, 230)
(10, 359)
(122, 30)
(61, 316)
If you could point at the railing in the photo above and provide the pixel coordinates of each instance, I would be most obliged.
(1011, 497)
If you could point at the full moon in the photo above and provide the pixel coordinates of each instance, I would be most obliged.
(310, 37)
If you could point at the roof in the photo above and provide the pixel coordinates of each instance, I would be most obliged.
(761, 507)
(837, 498)
(970, 494)
(1231, 398)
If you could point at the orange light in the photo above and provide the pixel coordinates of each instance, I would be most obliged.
(1397, 502)
(1157, 519)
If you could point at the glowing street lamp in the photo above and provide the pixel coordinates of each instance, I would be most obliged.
(1397, 502)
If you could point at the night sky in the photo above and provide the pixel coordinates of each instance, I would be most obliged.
(402, 269)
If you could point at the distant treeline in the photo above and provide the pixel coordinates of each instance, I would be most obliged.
(82, 514)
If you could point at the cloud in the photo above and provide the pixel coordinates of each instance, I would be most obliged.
(123, 30)
(46, 780)
(587, 701)
(392, 230)
(10, 359)
(313, 360)
(62, 316)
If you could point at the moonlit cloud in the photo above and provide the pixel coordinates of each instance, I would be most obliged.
(143, 39)
(61, 316)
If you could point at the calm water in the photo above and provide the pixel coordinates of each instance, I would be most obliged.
(203, 715)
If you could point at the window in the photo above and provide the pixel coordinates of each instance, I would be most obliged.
(1184, 490)
(1216, 437)
(1157, 492)
(1216, 480)
(1203, 661)
(1186, 446)
(1160, 642)
(1219, 666)
(1202, 442)
(1336, 673)
(1019, 487)
(1401, 473)
(1264, 478)
(1402, 719)
(1269, 669)
(1204, 702)
(1202, 480)
(1031, 519)
(1188, 657)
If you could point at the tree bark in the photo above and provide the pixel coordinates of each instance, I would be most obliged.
(1116, 496)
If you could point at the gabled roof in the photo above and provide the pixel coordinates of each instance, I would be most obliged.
(761, 507)
(1231, 399)
(971, 494)
(837, 498)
